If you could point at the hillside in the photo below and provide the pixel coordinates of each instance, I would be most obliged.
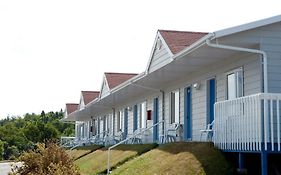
(178, 158)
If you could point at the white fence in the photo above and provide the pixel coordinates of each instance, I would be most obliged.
(249, 123)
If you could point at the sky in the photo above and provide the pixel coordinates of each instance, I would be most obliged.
(51, 50)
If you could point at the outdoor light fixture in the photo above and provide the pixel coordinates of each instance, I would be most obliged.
(196, 86)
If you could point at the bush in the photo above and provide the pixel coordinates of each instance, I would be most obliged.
(46, 159)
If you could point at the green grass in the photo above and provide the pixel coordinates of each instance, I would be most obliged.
(178, 158)
(82, 151)
(96, 162)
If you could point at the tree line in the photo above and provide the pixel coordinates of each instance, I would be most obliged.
(19, 134)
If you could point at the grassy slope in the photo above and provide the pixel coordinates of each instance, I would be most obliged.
(96, 161)
(82, 151)
(178, 158)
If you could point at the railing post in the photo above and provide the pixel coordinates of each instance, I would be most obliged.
(108, 161)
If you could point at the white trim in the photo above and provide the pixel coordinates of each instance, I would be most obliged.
(170, 108)
(234, 71)
(164, 45)
(81, 103)
(104, 82)
(248, 26)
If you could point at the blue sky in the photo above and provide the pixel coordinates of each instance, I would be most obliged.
(51, 50)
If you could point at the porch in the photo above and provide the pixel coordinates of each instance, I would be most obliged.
(248, 124)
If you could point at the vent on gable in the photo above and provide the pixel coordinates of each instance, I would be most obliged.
(159, 44)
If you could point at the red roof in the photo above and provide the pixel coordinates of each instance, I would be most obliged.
(178, 40)
(71, 107)
(89, 96)
(114, 79)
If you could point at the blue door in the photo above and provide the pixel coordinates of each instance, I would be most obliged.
(155, 118)
(211, 100)
(125, 123)
(135, 126)
(187, 114)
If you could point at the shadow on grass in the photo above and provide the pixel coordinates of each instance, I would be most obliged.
(211, 159)
(88, 149)
(138, 148)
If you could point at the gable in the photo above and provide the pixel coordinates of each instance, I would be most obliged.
(104, 88)
(167, 44)
(81, 103)
(160, 54)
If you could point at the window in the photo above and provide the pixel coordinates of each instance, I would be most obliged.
(175, 107)
(234, 83)
(142, 119)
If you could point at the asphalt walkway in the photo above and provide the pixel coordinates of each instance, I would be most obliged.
(5, 167)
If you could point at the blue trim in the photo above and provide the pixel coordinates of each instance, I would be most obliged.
(155, 119)
(98, 127)
(263, 163)
(212, 99)
(104, 125)
(240, 161)
(135, 126)
(187, 114)
(125, 123)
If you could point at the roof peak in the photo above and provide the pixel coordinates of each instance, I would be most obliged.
(91, 91)
(120, 73)
(179, 31)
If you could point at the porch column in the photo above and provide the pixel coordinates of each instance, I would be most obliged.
(264, 163)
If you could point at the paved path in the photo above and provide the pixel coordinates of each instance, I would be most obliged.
(5, 168)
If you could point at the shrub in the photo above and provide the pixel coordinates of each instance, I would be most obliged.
(46, 159)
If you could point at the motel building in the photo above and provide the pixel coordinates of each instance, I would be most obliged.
(222, 87)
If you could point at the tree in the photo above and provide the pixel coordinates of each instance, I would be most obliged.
(20, 134)
(1, 150)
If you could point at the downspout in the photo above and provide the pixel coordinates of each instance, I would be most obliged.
(264, 56)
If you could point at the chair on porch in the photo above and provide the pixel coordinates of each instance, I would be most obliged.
(172, 133)
(208, 131)
(137, 139)
(119, 136)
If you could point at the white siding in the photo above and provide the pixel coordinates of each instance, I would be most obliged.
(252, 84)
(268, 38)
(160, 57)
(271, 44)
(104, 89)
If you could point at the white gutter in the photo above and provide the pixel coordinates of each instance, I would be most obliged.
(241, 49)
(192, 47)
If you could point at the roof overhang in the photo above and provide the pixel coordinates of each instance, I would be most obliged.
(146, 84)
(248, 26)
(191, 59)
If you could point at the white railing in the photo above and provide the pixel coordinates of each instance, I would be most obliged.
(125, 141)
(67, 141)
(250, 123)
(92, 140)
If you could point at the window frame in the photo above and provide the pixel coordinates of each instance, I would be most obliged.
(237, 86)
(174, 114)
(142, 118)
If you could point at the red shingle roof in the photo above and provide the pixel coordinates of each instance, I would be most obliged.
(178, 40)
(89, 96)
(71, 107)
(114, 79)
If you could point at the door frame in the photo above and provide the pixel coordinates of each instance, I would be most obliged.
(188, 113)
(155, 118)
(210, 108)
